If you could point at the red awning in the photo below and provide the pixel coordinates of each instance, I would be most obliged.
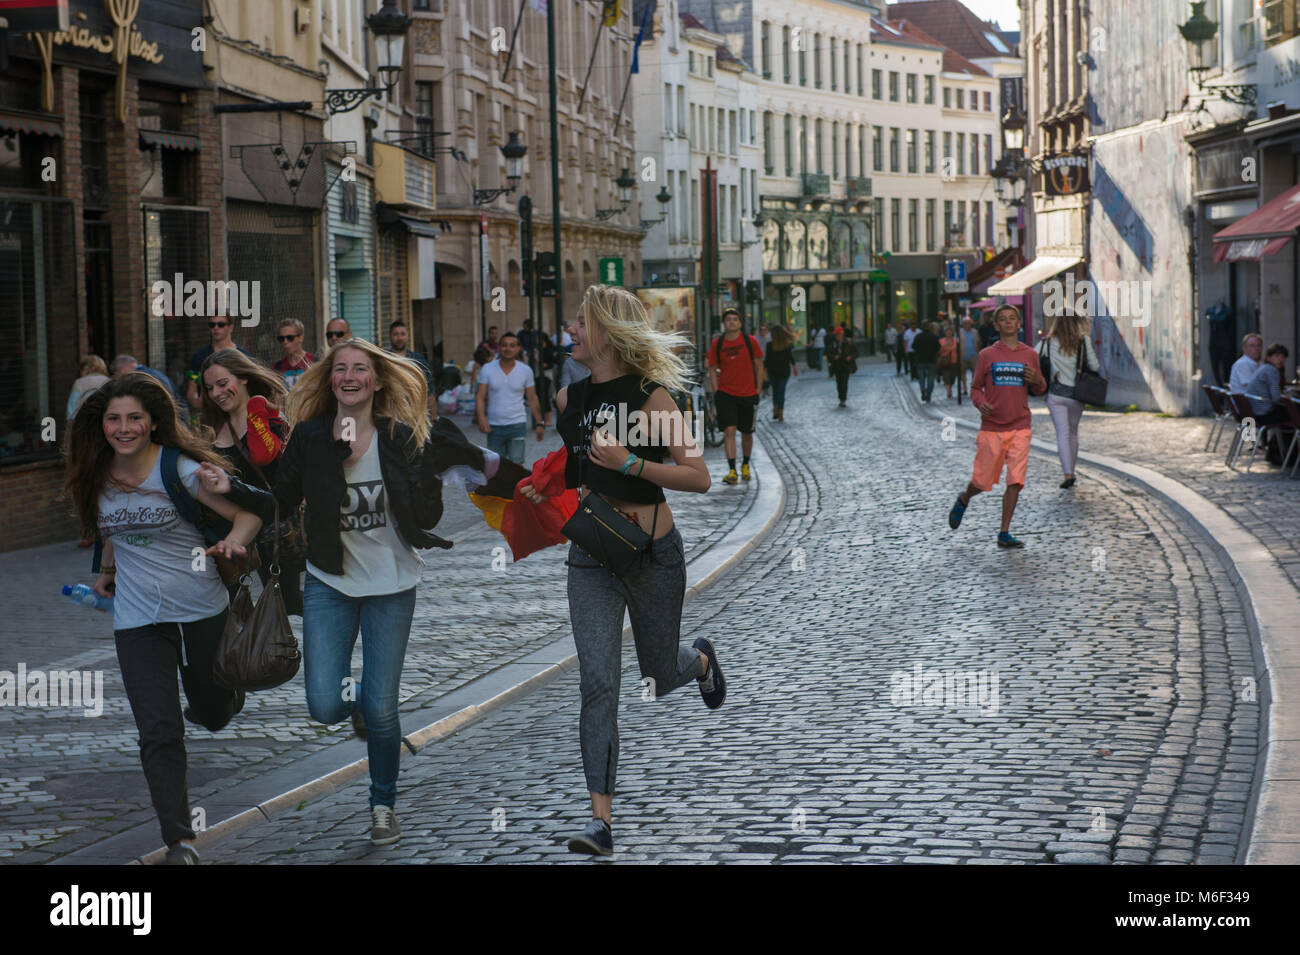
(167, 140)
(19, 122)
(1263, 232)
(1248, 250)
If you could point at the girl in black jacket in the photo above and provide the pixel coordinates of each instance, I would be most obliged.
(361, 455)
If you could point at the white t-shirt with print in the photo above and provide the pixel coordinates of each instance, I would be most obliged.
(153, 547)
(505, 397)
(375, 559)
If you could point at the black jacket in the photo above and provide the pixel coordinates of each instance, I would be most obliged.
(311, 468)
(925, 348)
(841, 353)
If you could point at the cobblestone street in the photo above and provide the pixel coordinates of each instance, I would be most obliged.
(1106, 654)
(71, 781)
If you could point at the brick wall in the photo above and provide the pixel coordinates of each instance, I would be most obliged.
(128, 226)
(33, 515)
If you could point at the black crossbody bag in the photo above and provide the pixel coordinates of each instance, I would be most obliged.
(605, 535)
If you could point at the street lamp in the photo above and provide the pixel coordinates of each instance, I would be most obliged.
(1199, 33)
(625, 182)
(1013, 132)
(390, 26)
(514, 151)
(663, 198)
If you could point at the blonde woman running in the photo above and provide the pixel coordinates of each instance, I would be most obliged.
(633, 368)
(356, 455)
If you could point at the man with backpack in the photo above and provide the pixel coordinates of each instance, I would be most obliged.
(735, 362)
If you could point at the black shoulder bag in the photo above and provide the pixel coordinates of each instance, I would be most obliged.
(605, 535)
(1089, 387)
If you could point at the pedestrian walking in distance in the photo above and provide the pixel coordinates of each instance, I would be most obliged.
(506, 393)
(1005, 375)
(167, 616)
(359, 454)
(1066, 336)
(779, 363)
(925, 359)
(633, 368)
(735, 362)
(842, 359)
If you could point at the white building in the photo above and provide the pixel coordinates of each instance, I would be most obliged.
(696, 109)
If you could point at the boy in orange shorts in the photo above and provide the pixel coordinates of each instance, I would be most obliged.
(1007, 372)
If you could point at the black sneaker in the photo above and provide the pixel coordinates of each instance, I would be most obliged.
(181, 854)
(596, 839)
(713, 686)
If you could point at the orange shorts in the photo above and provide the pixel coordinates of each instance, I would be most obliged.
(992, 449)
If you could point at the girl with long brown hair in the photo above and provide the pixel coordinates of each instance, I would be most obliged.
(128, 454)
(240, 402)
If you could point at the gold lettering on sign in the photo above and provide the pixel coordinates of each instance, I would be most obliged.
(83, 39)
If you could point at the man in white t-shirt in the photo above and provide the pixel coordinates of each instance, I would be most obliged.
(504, 387)
(1244, 368)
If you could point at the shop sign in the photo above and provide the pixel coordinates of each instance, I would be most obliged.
(1065, 174)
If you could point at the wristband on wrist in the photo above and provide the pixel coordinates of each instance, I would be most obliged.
(641, 468)
(627, 465)
(109, 569)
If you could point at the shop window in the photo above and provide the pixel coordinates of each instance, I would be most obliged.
(36, 328)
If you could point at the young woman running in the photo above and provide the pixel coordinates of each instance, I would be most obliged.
(165, 613)
(251, 442)
(633, 367)
(357, 456)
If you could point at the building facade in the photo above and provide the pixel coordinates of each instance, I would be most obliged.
(697, 118)
(109, 179)
(462, 108)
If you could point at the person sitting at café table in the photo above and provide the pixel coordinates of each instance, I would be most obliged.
(1264, 392)
(1244, 368)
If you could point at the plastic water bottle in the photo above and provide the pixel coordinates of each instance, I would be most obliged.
(85, 596)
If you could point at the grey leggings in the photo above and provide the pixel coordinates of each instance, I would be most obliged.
(653, 597)
(1066, 413)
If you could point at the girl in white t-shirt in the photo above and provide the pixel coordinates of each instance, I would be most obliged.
(166, 615)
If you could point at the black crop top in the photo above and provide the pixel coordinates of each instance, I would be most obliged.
(618, 401)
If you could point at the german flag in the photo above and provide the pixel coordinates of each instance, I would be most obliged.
(492, 483)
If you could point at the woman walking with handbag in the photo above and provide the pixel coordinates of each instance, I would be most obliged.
(360, 455)
(633, 370)
(124, 440)
(240, 402)
(1068, 350)
(778, 359)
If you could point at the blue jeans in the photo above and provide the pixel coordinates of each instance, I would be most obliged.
(925, 372)
(778, 391)
(330, 622)
(507, 440)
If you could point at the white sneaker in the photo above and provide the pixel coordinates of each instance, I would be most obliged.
(384, 830)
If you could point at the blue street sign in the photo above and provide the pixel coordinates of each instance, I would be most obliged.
(956, 270)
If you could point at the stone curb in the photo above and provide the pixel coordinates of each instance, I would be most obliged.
(555, 659)
(1272, 607)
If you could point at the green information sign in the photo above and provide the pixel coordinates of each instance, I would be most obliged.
(877, 275)
(611, 271)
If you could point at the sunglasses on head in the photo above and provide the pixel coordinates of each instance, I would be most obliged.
(285, 338)
(217, 324)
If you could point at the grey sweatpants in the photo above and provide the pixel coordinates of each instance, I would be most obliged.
(652, 595)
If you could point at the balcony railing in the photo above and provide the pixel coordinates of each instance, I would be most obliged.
(816, 184)
(858, 187)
